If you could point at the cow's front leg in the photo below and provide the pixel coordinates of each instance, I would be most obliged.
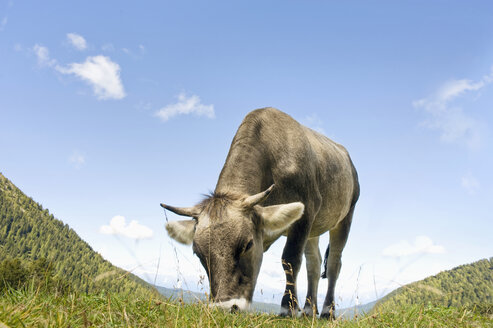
(291, 262)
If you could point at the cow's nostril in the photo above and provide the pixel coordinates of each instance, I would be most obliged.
(234, 308)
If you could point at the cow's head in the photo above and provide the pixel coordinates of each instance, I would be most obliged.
(227, 233)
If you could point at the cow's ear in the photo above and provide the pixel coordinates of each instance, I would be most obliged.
(182, 231)
(277, 218)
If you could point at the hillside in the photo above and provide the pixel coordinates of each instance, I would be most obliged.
(351, 311)
(465, 285)
(28, 233)
(194, 297)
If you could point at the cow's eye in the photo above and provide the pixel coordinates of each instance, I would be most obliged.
(248, 246)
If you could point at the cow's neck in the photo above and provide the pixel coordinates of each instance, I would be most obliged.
(245, 170)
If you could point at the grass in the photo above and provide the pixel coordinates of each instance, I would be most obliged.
(35, 308)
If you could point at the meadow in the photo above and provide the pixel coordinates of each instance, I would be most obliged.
(36, 307)
(50, 277)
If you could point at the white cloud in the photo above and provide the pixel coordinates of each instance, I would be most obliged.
(101, 73)
(456, 127)
(454, 124)
(107, 47)
(143, 105)
(314, 122)
(455, 88)
(185, 105)
(43, 55)
(135, 53)
(77, 159)
(3, 23)
(421, 245)
(98, 71)
(133, 230)
(470, 183)
(271, 275)
(77, 41)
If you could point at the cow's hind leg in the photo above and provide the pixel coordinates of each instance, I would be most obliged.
(338, 238)
(313, 262)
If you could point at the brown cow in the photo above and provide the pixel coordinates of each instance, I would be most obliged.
(280, 178)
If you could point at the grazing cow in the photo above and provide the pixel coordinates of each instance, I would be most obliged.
(280, 178)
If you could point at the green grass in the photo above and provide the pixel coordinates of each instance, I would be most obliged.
(34, 308)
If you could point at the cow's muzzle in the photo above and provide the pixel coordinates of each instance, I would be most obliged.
(234, 305)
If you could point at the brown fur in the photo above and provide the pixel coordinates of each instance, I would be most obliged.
(314, 178)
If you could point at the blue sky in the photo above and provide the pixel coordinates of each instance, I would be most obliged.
(108, 109)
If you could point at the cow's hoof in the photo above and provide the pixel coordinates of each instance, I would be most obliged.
(327, 314)
(288, 312)
(308, 311)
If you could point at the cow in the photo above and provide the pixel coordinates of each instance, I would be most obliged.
(280, 178)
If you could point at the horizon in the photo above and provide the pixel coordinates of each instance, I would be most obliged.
(109, 109)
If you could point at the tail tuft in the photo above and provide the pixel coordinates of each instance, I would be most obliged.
(326, 256)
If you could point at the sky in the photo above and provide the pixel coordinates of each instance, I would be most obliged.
(108, 109)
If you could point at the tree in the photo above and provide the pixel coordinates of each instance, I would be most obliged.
(12, 273)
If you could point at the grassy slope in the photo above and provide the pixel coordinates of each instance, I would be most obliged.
(192, 297)
(465, 285)
(29, 232)
(29, 308)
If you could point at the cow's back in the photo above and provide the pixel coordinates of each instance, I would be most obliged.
(337, 181)
(271, 147)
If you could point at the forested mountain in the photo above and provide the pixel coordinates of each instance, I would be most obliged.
(465, 285)
(30, 233)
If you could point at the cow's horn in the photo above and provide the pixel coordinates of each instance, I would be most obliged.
(257, 198)
(184, 211)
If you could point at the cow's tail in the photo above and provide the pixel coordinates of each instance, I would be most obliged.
(326, 256)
